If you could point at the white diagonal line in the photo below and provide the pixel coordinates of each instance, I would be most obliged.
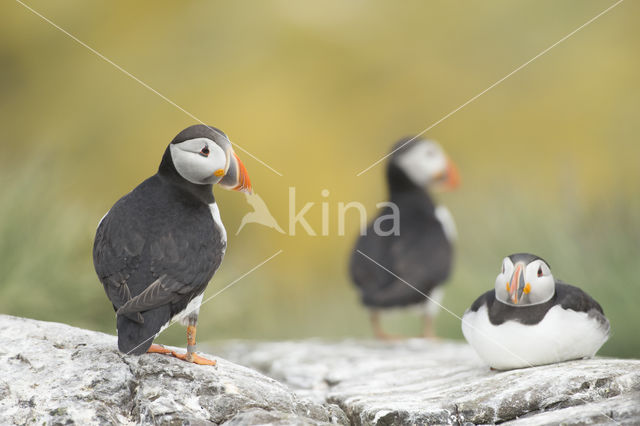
(211, 297)
(142, 83)
(397, 277)
(461, 320)
(493, 85)
(443, 307)
(242, 276)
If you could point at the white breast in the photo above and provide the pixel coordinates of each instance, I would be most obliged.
(562, 335)
(432, 305)
(192, 308)
(448, 225)
(215, 213)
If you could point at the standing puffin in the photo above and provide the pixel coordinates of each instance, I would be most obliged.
(420, 250)
(158, 246)
(531, 319)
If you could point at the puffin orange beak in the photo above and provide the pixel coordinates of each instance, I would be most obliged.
(244, 183)
(452, 179)
(236, 178)
(516, 285)
(449, 178)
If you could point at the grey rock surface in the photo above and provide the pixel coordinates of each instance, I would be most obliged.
(52, 373)
(426, 382)
(56, 374)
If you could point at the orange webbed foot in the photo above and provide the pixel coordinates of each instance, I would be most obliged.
(159, 349)
(194, 358)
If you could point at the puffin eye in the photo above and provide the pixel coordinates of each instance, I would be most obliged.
(539, 271)
(204, 151)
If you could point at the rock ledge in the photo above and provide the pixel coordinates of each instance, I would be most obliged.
(56, 374)
(52, 373)
(423, 382)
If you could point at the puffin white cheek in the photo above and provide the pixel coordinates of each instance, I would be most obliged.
(417, 166)
(210, 170)
(542, 289)
(216, 168)
(196, 168)
(436, 166)
(432, 168)
(502, 294)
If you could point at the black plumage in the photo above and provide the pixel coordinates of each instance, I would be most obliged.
(567, 296)
(158, 247)
(530, 318)
(419, 253)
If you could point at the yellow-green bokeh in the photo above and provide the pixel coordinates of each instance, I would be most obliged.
(319, 91)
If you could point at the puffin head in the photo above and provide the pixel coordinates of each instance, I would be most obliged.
(203, 155)
(524, 280)
(425, 164)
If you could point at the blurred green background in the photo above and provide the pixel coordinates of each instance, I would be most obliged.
(319, 91)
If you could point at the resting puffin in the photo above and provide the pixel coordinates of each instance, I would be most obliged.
(158, 246)
(531, 319)
(420, 250)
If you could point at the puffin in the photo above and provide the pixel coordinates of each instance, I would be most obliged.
(531, 318)
(404, 265)
(158, 247)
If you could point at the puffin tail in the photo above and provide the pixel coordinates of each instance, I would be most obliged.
(135, 337)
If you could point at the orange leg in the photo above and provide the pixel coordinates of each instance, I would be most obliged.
(191, 355)
(428, 330)
(378, 332)
(194, 358)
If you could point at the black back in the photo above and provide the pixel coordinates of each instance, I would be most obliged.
(567, 296)
(526, 258)
(199, 131)
(162, 230)
(421, 254)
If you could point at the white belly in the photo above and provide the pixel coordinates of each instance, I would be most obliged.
(448, 224)
(432, 305)
(192, 308)
(562, 335)
(215, 213)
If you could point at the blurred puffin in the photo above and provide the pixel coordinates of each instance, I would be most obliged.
(421, 251)
(158, 246)
(531, 319)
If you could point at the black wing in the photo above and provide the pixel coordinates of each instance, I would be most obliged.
(574, 298)
(162, 291)
(487, 299)
(145, 261)
(419, 258)
(568, 296)
(117, 254)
